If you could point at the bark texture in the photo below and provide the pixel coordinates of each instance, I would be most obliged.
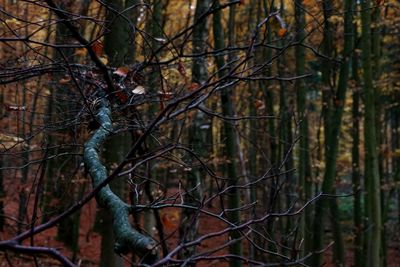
(126, 238)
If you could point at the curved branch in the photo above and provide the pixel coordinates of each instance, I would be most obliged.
(14, 246)
(126, 238)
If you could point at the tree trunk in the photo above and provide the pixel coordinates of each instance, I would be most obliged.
(155, 29)
(304, 168)
(376, 39)
(371, 153)
(332, 124)
(231, 146)
(355, 157)
(131, 32)
(198, 132)
(60, 170)
(115, 46)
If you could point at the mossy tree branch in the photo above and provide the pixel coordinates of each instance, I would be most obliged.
(126, 238)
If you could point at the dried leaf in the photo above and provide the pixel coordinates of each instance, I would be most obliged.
(97, 47)
(122, 71)
(14, 108)
(10, 141)
(308, 2)
(161, 40)
(166, 95)
(181, 68)
(139, 90)
(281, 32)
(104, 60)
(170, 219)
(166, 221)
(12, 22)
(193, 87)
(259, 104)
(65, 80)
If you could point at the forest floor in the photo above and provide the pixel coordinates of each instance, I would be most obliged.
(90, 241)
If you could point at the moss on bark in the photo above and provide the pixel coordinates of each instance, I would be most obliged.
(126, 238)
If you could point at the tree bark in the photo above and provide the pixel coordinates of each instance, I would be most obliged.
(304, 168)
(116, 42)
(198, 131)
(355, 157)
(332, 123)
(231, 146)
(126, 238)
(372, 180)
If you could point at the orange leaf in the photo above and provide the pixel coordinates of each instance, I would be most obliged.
(308, 2)
(166, 221)
(97, 48)
(122, 71)
(170, 219)
(281, 32)
(193, 86)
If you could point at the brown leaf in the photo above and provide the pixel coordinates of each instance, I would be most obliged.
(193, 87)
(10, 141)
(166, 95)
(65, 80)
(104, 60)
(97, 47)
(170, 219)
(259, 104)
(181, 68)
(122, 71)
(281, 32)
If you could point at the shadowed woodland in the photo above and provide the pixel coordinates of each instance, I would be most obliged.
(209, 133)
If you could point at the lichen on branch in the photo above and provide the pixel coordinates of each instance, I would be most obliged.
(127, 239)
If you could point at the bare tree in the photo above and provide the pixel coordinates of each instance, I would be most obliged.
(113, 95)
